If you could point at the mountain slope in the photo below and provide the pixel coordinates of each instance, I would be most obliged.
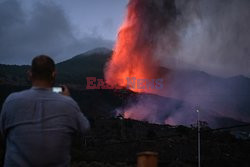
(89, 64)
(224, 99)
(73, 71)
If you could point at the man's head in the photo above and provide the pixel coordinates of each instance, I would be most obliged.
(43, 69)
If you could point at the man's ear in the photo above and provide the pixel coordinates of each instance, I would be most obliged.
(29, 73)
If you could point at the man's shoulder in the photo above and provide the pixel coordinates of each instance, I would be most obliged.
(17, 95)
(30, 95)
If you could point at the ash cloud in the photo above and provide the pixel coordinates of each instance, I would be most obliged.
(214, 36)
(204, 40)
(45, 29)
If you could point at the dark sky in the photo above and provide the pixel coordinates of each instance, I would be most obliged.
(213, 35)
(59, 28)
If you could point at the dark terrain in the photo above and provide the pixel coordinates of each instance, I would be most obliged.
(115, 141)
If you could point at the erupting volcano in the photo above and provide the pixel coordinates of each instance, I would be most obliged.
(135, 50)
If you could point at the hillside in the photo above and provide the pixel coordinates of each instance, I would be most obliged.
(71, 71)
(89, 64)
(224, 101)
(114, 142)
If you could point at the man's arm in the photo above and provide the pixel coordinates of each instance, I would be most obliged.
(6, 108)
(82, 122)
(2, 118)
(1, 122)
(2, 130)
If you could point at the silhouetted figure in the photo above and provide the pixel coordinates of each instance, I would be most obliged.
(38, 124)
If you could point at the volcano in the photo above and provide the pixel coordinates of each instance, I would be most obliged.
(219, 108)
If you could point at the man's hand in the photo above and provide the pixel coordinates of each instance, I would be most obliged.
(65, 91)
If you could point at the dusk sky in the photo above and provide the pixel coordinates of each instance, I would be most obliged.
(213, 35)
(59, 28)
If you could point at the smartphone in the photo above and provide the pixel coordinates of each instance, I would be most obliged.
(57, 89)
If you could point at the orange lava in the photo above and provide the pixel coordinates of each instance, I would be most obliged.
(132, 55)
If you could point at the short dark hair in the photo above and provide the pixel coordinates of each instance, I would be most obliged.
(42, 67)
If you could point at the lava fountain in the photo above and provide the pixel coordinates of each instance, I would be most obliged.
(135, 50)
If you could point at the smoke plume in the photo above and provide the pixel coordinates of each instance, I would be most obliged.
(186, 43)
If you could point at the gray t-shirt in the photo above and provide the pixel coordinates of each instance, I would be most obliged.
(38, 126)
